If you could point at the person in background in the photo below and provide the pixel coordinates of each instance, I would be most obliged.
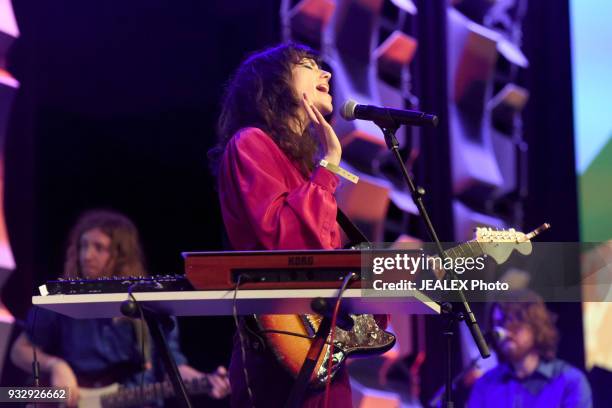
(94, 353)
(528, 374)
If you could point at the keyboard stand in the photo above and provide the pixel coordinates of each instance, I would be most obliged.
(156, 321)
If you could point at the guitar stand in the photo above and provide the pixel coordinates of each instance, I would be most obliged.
(155, 322)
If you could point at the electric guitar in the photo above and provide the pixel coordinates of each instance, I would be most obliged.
(116, 396)
(290, 336)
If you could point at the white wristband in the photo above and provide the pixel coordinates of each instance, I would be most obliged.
(339, 171)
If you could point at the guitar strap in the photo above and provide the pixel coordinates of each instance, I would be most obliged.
(357, 239)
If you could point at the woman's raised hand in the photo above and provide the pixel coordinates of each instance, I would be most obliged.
(332, 150)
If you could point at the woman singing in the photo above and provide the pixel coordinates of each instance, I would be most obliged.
(272, 134)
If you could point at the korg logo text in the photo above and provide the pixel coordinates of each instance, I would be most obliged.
(301, 260)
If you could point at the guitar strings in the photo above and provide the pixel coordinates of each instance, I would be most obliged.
(288, 333)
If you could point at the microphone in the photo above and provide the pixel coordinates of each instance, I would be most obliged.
(386, 117)
(497, 334)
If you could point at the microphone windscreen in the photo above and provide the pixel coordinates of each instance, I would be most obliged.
(348, 110)
(499, 333)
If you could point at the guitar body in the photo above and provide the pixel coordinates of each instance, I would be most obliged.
(365, 338)
(92, 397)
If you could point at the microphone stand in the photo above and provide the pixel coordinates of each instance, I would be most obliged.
(435, 400)
(389, 127)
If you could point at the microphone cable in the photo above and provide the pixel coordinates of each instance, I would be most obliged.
(242, 348)
(142, 331)
(35, 365)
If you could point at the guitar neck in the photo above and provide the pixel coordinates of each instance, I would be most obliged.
(139, 396)
(470, 249)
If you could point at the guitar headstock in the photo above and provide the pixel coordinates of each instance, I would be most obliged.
(484, 234)
(499, 244)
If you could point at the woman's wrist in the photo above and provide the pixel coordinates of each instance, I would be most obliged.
(334, 168)
(333, 158)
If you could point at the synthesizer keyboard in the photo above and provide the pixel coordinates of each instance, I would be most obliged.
(117, 284)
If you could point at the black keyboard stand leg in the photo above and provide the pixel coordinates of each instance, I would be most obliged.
(155, 322)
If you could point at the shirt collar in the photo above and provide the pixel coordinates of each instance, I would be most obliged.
(545, 368)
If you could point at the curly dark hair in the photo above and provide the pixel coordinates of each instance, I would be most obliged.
(125, 243)
(525, 306)
(261, 94)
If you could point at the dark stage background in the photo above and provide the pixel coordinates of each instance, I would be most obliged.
(117, 108)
